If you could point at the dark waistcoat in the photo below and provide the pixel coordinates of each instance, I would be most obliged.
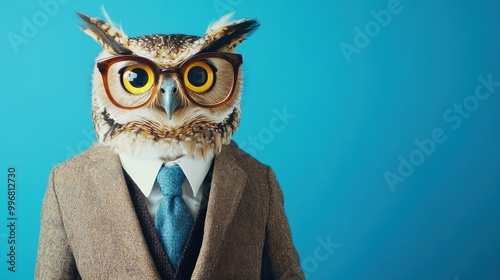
(192, 249)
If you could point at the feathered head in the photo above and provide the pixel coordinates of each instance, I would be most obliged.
(166, 96)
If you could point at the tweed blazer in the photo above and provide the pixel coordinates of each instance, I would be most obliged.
(90, 230)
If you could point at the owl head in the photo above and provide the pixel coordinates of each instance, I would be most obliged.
(165, 96)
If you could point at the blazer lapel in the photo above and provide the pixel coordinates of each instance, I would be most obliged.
(118, 213)
(226, 190)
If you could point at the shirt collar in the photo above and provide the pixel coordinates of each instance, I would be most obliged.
(144, 171)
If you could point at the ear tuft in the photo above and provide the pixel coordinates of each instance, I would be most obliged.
(107, 34)
(224, 35)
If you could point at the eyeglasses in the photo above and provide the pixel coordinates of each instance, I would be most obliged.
(208, 80)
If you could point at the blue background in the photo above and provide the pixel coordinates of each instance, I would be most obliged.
(351, 120)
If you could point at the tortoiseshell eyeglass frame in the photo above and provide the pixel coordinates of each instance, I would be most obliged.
(234, 59)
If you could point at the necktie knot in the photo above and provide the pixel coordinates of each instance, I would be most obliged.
(170, 179)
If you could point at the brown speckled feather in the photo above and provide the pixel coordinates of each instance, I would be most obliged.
(106, 34)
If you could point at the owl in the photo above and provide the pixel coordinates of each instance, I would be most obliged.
(166, 96)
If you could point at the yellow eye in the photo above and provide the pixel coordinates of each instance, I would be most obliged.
(137, 78)
(199, 77)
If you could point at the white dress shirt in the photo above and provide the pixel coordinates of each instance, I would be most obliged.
(144, 172)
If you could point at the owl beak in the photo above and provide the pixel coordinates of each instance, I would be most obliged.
(170, 101)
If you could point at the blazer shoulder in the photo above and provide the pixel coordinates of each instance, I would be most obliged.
(96, 155)
(246, 161)
(96, 152)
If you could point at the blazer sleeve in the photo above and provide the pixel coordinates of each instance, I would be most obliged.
(55, 259)
(281, 260)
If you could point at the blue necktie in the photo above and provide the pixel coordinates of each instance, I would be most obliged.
(173, 220)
